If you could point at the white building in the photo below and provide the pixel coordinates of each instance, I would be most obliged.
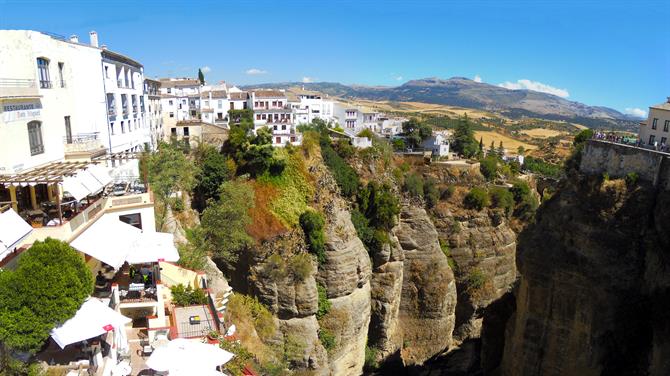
(214, 104)
(126, 100)
(438, 143)
(52, 100)
(308, 107)
(656, 130)
(271, 109)
(154, 114)
(180, 101)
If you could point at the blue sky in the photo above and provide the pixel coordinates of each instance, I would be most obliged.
(610, 53)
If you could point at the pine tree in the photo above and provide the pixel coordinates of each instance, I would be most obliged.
(201, 77)
(481, 144)
(501, 150)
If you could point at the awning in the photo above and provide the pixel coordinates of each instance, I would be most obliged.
(13, 229)
(87, 182)
(91, 320)
(108, 240)
(153, 247)
(188, 357)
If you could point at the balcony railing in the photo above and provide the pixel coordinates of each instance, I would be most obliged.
(16, 82)
(120, 83)
(45, 84)
(62, 83)
(83, 142)
(111, 111)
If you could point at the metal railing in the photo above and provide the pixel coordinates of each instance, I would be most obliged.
(17, 82)
(62, 83)
(45, 84)
(120, 83)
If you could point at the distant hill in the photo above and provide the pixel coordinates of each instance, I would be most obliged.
(463, 92)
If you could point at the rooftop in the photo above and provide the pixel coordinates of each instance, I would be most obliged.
(214, 94)
(269, 94)
(239, 96)
(663, 106)
(179, 82)
(193, 321)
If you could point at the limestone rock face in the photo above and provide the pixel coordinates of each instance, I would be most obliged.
(387, 279)
(480, 244)
(594, 287)
(305, 329)
(428, 297)
(346, 277)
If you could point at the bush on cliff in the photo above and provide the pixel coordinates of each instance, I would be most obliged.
(503, 199)
(379, 205)
(344, 175)
(477, 198)
(312, 224)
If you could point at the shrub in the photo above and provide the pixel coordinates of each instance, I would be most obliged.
(312, 224)
(366, 133)
(370, 358)
(323, 302)
(502, 198)
(448, 192)
(241, 307)
(582, 136)
(476, 280)
(362, 226)
(631, 178)
(520, 189)
(300, 266)
(327, 339)
(185, 296)
(489, 167)
(541, 167)
(380, 205)
(344, 149)
(275, 267)
(525, 210)
(447, 252)
(398, 144)
(344, 175)
(477, 198)
(413, 185)
(430, 192)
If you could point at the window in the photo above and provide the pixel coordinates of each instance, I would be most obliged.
(651, 139)
(206, 103)
(220, 104)
(171, 114)
(68, 130)
(173, 131)
(192, 112)
(264, 116)
(283, 127)
(111, 104)
(186, 132)
(123, 129)
(244, 105)
(654, 123)
(232, 105)
(43, 72)
(106, 72)
(124, 103)
(169, 90)
(258, 116)
(277, 140)
(664, 140)
(132, 219)
(170, 102)
(142, 103)
(60, 74)
(666, 125)
(35, 137)
(274, 128)
(111, 126)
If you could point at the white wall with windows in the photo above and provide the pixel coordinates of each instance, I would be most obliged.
(656, 130)
(51, 92)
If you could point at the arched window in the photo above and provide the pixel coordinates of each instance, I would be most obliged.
(35, 137)
(43, 72)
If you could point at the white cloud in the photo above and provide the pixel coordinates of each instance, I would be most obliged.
(307, 79)
(206, 69)
(255, 71)
(398, 78)
(638, 112)
(477, 78)
(535, 86)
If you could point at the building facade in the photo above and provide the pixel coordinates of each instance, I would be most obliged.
(154, 113)
(180, 102)
(655, 131)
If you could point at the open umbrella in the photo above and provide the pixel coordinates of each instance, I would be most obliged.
(181, 356)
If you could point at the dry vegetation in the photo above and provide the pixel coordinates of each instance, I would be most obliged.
(509, 143)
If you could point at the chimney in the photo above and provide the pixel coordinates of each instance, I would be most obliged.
(74, 38)
(94, 38)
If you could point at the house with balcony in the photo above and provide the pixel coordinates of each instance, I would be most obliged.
(308, 106)
(180, 101)
(154, 113)
(128, 129)
(214, 105)
(272, 110)
(655, 131)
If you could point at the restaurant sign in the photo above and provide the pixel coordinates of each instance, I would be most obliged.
(21, 111)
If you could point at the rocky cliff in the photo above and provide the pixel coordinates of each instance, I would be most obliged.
(595, 283)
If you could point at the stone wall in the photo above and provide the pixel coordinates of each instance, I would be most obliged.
(618, 160)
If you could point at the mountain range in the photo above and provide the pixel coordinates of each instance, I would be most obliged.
(463, 92)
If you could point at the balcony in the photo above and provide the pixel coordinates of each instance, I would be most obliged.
(120, 83)
(45, 84)
(18, 88)
(83, 145)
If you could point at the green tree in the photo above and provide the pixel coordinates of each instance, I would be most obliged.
(430, 192)
(488, 166)
(501, 150)
(201, 77)
(481, 144)
(416, 131)
(366, 133)
(47, 288)
(503, 199)
(379, 205)
(224, 221)
(521, 150)
(169, 171)
(477, 198)
(413, 185)
(193, 254)
(464, 139)
(215, 168)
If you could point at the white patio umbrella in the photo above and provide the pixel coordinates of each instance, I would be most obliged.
(182, 356)
(153, 247)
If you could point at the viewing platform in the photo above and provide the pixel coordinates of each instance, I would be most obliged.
(618, 160)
